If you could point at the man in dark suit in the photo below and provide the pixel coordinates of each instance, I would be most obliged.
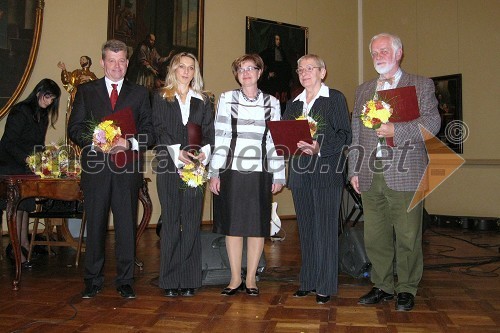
(111, 179)
(388, 177)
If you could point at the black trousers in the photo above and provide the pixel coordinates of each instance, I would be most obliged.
(119, 192)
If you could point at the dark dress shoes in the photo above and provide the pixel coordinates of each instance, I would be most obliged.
(171, 292)
(405, 302)
(90, 291)
(303, 293)
(230, 292)
(375, 296)
(187, 292)
(252, 291)
(321, 299)
(126, 291)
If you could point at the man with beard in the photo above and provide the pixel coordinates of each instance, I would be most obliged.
(146, 64)
(388, 177)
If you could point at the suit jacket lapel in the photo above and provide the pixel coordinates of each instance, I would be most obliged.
(102, 93)
(404, 81)
(122, 96)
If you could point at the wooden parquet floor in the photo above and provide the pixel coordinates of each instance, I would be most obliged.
(456, 295)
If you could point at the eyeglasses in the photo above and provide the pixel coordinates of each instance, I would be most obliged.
(242, 70)
(307, 69)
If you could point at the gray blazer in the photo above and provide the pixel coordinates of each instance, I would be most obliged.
(407, 161)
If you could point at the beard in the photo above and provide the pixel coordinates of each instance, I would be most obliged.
(386, 68)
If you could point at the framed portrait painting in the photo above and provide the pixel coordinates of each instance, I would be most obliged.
(176, 26)
(280, 45)
(449, 96)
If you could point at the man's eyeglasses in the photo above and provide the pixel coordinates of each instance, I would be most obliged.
(307, 69)
(242, 70)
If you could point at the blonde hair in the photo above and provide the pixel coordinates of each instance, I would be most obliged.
(171, 84)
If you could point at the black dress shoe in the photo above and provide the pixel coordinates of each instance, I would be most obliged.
(252, 291)
(375, 296)
(229, 291)
(171, 292)
(304, 293)
(405, 302)
(126, 291)
(187, 292)
(90, 291)
(320, 299)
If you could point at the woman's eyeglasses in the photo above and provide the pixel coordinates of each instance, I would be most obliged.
(242, 70)
(307, 69)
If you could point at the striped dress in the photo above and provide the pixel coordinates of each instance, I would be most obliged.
(245, 160)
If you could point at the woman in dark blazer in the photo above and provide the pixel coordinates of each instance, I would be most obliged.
(24, 134)
(177, 108)
(316, 178)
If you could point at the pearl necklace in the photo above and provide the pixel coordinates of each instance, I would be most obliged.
(248, 99)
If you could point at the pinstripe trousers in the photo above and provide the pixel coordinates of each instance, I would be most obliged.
(317, 212)
(180, 256)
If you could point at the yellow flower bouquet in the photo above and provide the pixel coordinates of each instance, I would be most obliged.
(193, 175)
(105, 135)
(375, 113)
(314, 124)
(55, 161)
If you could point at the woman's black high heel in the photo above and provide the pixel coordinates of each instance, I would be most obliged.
(252, 291)
(230, 292)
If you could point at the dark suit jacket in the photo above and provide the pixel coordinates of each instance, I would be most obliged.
(169, 129)
(21, 135)
(407, 165)
(92, 103)
(334, 135)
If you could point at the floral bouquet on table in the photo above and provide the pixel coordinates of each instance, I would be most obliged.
(314, 122)
(194, 175)
(105, 135)
(375, 113)
(55, 161)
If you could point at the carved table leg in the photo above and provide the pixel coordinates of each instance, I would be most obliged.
(12, 202)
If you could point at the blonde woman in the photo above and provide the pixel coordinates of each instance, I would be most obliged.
(177, 106)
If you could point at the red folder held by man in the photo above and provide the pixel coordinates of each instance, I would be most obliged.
(124, 119)
(404, 105)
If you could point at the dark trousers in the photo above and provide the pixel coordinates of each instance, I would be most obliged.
(180, 256)
(119, 192)
(317, 211)
(386, 216)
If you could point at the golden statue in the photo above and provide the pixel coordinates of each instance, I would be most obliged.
(72, 80)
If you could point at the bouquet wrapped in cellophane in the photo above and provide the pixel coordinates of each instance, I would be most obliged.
(55, 161)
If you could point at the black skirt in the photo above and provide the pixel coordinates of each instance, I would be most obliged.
(243, 206)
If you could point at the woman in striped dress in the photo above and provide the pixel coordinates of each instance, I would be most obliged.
(245, 171)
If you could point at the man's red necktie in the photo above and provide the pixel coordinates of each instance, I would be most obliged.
(114, 95)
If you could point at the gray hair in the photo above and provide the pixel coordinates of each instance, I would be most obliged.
(395, 41)
(320, 62)
(115, 46)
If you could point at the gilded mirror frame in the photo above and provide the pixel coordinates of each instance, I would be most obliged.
(39, 6)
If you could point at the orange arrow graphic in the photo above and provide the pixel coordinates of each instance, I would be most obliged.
(443, 162)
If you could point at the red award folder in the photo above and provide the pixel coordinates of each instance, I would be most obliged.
(125, 120)
(404, 105)
(286, 134)
(194, 135)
